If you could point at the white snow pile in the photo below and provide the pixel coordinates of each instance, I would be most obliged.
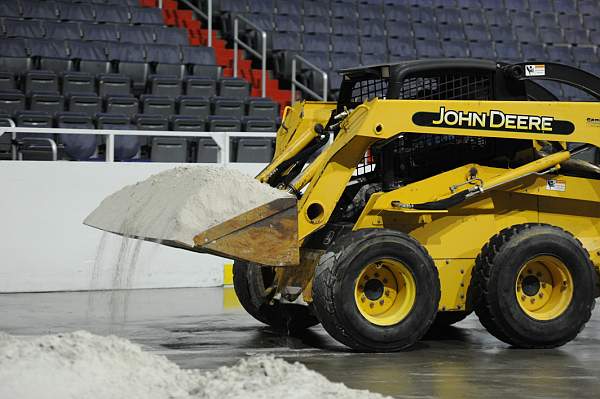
(181, 202)
(83, 365)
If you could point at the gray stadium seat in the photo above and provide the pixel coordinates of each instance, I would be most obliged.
(23, 28)
(193, 106)
(200, 61)
(78, 147)
(224, 106)
(131, 62)
(41, 81)
(77, 82)
(39, 9)
(136, 34)
(147, 16)
(151, 122)
(89, 104)
(252, 124)
(10, 9)
(262, 108)
(11, 102)
(126, 147)
(49, 55)
(76, 12)
(7, 81)
(100, 32)
(114, 85)
(200, 87)
(111, 13)
(171, 36)
(234, 88)
(164, 85)
(34, 146)
(62, 30)
(165, 59)
(157, 105)
(13, 56)
(89, 56)
(44, 102)
(169, 149)
(122, 105)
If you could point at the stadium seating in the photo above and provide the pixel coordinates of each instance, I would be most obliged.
(112, 64)
(335, 34)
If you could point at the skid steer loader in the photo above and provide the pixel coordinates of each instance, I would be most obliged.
(429, 190)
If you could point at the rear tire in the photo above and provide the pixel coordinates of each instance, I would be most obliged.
(250, 281)
(535, 286)
(376, 290)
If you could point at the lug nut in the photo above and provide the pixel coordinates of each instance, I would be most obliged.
(381, 302)
(387, 292)
(376, 275)
(522, 297)
(385, 280)
(541, 294)
(532, 300)
(371, 305)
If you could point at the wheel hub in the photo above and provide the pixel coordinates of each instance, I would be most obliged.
(374, 289)
(544, 287)
(385, 292)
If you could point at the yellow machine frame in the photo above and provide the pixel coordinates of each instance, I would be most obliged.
(533, 193)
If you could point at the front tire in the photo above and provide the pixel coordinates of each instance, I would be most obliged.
(376, 290)
(535, 286)
(250, 282)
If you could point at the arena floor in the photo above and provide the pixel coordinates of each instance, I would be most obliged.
(205, 328)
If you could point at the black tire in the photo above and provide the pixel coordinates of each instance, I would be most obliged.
(334, 284)
(495, 276)
(445, 319)
(250, 282)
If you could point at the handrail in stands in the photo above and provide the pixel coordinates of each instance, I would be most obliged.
(206, 16)
(221, 138)
(295, 82)
(262, 56)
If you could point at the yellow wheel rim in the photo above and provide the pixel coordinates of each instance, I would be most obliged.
(544, 288)
(385, 292)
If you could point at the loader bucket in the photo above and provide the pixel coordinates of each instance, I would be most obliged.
(263, 230)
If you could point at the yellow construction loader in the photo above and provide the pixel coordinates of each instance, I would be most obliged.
(429, 190)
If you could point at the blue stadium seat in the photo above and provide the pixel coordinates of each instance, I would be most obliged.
(492, 4)
(371, 12)
(164, 59)
(344, 44)
(62, 30)
(13, 55)
(569, 21)
(451, 32)
(316, 42)
(340, 10)
(502, 33)
(344, 60)
(262, 7)
(232, 6)
(428, 49)
(126, 147)
(100, 32)
(482, 49)
(426, 31)
(285, 7)
(469, 4)
(76, 12)
(533, 52)
(565, 7)
(521, 18)
(49, 54)
(193, 106)
(200, 61)
(508, 51)
(422, 14)
(39, 9)
(10, 9)
(136, 34)
(399, 13)
(286, 41)
(77, 83)
(343, 27)
(23, 28)
(447, 16)
(172, 36)
(526, 34)
(577, 37)
(319, 59)
(454, 49)
(373, 59)
(497, 17)
(11, 102)
(87, 103)
(592, 21)
(589, 7)
(130, 61)
(111, 13)
(541, 6)
(478, 33)
(89, 56)
(200, 87)
(157, 105)
(560, 54)
(315, 9)
(122, 105)
(398, 30)
(402, 50)
(472, 17)
(288, 23)
(368, 28)
(373, 46)
(148, 16)
(545, 20)
(516, 5)
(551, 35)
(316, 24)
(78, 147)
(584, 54)
(164, 85)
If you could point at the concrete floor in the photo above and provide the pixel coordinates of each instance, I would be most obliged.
(204, 329)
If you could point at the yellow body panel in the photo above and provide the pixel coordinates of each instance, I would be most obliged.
(453, 237)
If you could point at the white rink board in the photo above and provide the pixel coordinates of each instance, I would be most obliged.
(45, 247)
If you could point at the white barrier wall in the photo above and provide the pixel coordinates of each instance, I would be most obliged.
(45, 247)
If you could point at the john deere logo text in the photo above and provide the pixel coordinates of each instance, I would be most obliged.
(492, 120)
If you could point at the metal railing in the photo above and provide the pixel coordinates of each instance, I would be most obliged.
(206, 16)
(295, 82)
(262, 56)
(222, 139)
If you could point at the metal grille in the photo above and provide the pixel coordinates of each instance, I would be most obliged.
(451, 86)
(368, 89)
